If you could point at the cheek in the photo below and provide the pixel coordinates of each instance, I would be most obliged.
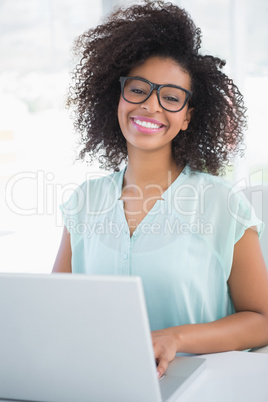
(122, 113)
(175, 123)
(120, 110)
(179, 123)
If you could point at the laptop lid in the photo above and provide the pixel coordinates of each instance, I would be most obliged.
(68, 338)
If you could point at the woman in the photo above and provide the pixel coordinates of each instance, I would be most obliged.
(145, 95)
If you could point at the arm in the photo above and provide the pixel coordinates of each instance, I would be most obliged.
(247, 328)
(64, 256)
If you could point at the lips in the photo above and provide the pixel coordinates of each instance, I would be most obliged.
(145, 124)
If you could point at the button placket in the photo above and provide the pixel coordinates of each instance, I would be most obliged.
(125, 250)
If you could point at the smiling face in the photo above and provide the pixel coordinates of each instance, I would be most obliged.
(147, 125)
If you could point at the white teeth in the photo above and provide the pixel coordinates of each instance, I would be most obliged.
(146, 124)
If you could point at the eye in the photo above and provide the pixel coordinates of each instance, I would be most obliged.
(172, 96)
(137, 87)
(171, 99)
(138, 91)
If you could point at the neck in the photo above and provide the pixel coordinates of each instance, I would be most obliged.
(151, 169)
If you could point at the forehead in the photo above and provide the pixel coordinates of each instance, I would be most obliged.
(162, 71)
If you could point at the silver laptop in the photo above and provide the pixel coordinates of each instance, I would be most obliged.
(79, 338)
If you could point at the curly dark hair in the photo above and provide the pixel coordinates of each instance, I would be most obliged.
(126, 39)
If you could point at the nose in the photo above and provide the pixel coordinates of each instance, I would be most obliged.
(152, 104)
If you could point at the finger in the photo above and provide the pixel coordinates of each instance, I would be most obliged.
(157, 350)
(162, 366)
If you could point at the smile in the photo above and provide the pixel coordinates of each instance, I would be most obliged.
(147, 124)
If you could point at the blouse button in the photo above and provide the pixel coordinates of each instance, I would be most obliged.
(125, 256)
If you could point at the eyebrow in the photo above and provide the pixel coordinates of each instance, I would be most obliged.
(146, 79)
(169, 84)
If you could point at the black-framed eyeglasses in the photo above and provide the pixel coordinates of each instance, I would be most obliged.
(170, 97)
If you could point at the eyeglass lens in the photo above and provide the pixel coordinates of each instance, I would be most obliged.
(136, 91)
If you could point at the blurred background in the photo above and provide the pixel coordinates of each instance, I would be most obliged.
(37, 142)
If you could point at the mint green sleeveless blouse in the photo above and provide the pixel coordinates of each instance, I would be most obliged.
(182, 250)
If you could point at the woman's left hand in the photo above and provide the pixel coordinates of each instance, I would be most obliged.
(165, 348)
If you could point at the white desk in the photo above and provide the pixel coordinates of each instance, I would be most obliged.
(232, 377)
